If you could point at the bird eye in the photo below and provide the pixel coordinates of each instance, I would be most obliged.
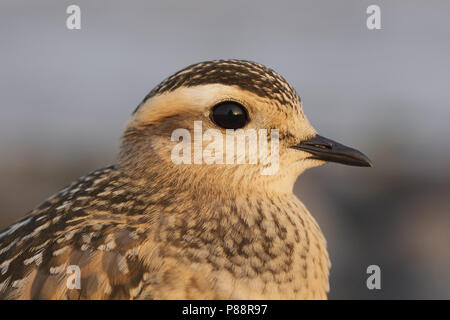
(229, 115)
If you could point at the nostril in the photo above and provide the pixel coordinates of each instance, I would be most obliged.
(322, 146)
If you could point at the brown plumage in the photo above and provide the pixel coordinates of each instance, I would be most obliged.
(146, 228)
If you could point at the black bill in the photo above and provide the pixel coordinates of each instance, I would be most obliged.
(322, 148)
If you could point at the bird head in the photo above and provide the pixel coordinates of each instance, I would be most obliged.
(206, 124)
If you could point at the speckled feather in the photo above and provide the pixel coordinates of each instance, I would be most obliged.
(247, 75)
(145, 229)
(134, 243)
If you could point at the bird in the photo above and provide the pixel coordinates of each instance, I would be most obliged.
(148, 228)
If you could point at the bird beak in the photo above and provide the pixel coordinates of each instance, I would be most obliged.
(322, 148)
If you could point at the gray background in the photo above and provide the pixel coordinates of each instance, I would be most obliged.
(66, 95)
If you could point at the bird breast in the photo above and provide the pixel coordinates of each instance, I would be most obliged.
(247, 248)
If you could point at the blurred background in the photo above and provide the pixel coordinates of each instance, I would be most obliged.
(66, 95)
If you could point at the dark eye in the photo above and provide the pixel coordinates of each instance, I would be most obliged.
(229, 115)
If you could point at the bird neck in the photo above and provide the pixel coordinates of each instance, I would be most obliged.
(260, 237)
